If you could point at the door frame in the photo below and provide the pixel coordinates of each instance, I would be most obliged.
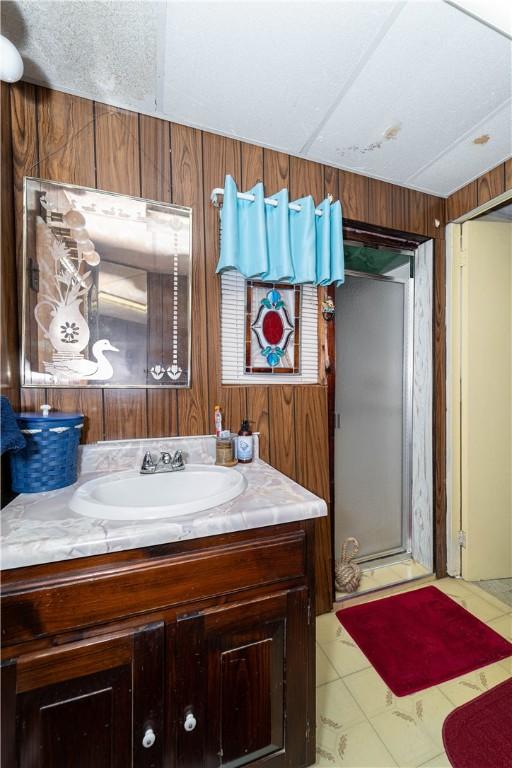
(392, 237)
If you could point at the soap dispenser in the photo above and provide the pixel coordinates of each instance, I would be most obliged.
(244, 444)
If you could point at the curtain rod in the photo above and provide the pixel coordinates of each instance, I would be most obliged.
(267, 200)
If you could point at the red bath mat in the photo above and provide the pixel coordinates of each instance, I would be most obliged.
(421, 638)
(479, 734)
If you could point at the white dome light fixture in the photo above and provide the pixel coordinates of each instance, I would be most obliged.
(11, 63)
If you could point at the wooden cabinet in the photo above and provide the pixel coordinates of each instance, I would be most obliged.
(92, 703)
(167, 678)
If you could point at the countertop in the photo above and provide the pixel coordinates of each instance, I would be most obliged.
(41, 528)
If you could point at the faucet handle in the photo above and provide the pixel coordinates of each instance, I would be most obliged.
(177, 459)
(147, 462)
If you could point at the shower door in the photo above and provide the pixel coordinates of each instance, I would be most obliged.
(373, 414)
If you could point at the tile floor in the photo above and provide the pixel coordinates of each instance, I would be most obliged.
(361, 724)
(500, 588)
(383, 575)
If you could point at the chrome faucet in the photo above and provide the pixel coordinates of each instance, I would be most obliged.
(165, 463)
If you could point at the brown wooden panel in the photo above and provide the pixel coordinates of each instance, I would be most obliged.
(306, 178)
(40, 669)
(187, 165)
(256, 397)
(439, 414)
(132, 589)
(190, 691)
(312, 450)
(66, 138)
(125, 413)
(491, 184)
(416, 213)
(220, 156)
(246, 690)
(301, 689)
(155, 178)
(508, 174)
(155, 159)
(117, 150)
(8, 714)
(149, 667)
(252, 165)
(162, 412)
(276, 170)
(282, 426)
(331, 182)
(400, 207)
(9, 353)
(24, 149)
(380, 203)
(81, 722)
(32, 398)
(462, 201)
(354, 195)
(86, 401)
(435, 209)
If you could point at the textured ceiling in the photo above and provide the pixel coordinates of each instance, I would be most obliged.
(417, 93)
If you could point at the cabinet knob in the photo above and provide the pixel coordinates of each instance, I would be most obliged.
(149, 738)
(190, 722)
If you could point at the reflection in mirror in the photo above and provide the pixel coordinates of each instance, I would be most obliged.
(106, 289)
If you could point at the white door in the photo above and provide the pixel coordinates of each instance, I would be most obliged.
(481, 395)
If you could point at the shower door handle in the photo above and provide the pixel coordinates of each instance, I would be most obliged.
(337, 420)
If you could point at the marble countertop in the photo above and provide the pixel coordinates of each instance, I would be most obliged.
(41, 528)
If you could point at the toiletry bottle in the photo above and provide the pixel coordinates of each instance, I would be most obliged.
(244, 444)
(218, 420)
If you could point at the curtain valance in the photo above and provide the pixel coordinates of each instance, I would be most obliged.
(281, 243)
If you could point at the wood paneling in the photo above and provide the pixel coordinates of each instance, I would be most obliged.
(187, 171)
(117, 150)
(462, 201)
(220, 156)
(66, 138)
(257, 404)
(508, 174)
(380, 203)
(9, 357)
(125, 413)
(354, 195)
(312, 454)
(491, 184)
(416, 213)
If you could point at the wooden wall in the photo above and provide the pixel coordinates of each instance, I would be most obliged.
(488, 186)
(65, 138)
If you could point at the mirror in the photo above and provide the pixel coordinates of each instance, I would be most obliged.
(106, 289)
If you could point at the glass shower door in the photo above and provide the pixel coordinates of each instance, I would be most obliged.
(373, 414)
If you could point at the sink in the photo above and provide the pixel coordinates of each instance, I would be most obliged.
(132, 496)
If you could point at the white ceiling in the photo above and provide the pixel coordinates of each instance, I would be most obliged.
(395, 90)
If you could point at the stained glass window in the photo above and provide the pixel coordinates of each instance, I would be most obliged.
(272, 328)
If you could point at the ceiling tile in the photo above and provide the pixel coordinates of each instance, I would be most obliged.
(467, 160)
(436, 74)
(265, 72)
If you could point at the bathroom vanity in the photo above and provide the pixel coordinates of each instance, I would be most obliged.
(195, 651)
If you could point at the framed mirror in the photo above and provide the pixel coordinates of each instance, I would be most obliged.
(106, 289)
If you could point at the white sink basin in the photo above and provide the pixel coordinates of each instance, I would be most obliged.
(132, 496)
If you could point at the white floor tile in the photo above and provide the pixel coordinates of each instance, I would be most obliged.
(325, 672)
(355, 747)
(466, 687)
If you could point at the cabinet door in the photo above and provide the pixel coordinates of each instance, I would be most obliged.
(91, 704)
(243, 684)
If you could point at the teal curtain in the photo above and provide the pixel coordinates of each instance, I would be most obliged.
(279, 244)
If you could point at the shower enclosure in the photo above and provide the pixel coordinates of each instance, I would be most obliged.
(373, 418)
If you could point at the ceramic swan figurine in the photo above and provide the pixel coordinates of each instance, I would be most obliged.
(99, 369)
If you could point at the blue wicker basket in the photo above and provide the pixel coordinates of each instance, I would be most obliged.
(49, 459)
